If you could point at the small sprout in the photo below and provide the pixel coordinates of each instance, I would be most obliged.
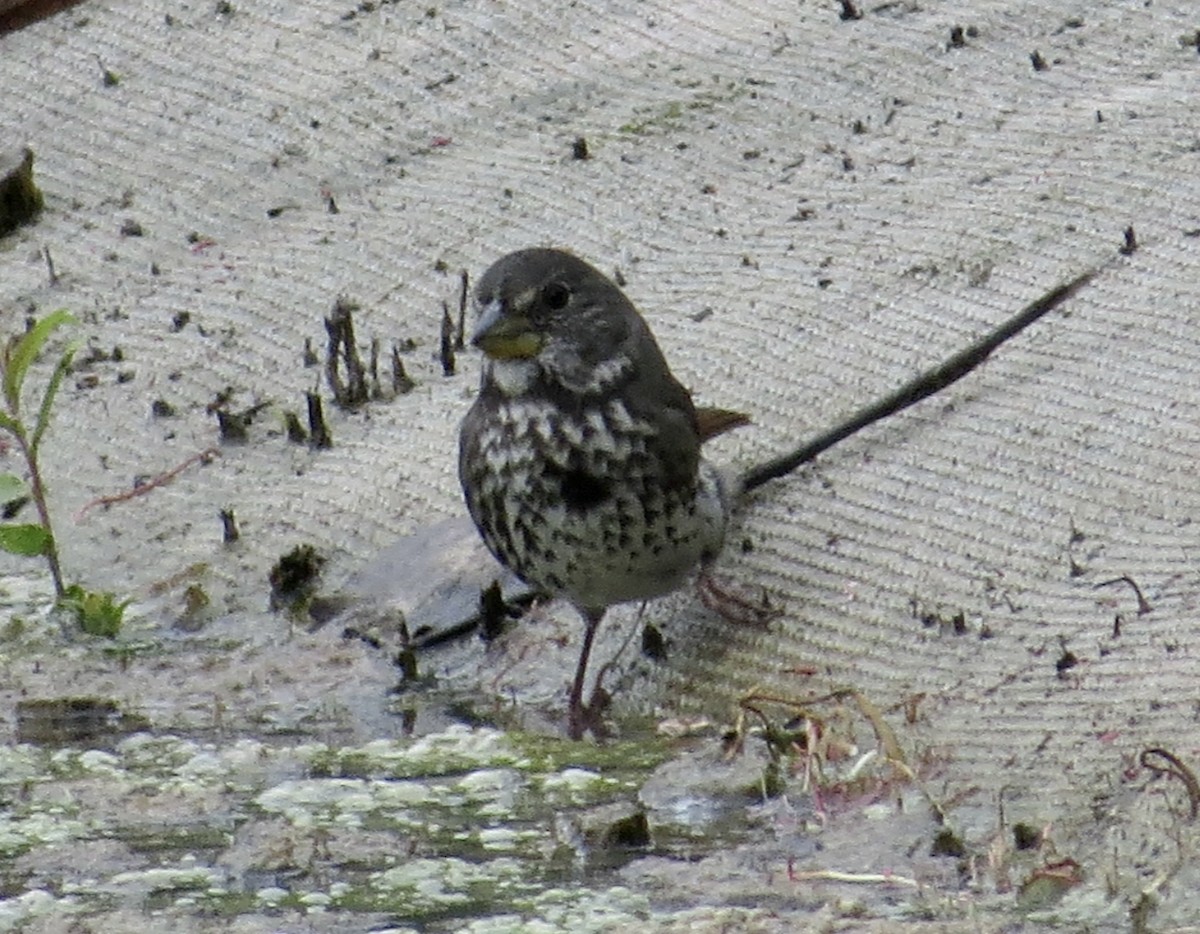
(96, 613)
(195, 612)
(446, 346)
(1026, 837)
(463, 290)
(20, 199)
(349, 390)
(309, 357)
(1066, 662)
(295, 431)
(1131, 244)
(849, 11)
(233, 427)
(319, 433)
(230, 532)
(401, 381)
(948, 843)
(294, 577)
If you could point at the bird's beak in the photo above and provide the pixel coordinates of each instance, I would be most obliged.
(505, 336)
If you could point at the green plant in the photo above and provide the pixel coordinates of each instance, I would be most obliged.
(19, 352)
(98, 614)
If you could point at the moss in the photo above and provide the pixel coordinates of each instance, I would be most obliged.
(20, 199)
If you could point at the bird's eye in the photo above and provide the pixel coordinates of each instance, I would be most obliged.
(555, 296)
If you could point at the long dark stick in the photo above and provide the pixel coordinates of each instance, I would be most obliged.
(922, 387)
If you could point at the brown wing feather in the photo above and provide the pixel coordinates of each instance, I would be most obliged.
(654, 394)
(712, 422)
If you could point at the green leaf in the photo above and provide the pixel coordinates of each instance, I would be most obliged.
(43, 419)
(24, 539)
(12, 488)
(97, 613)
(8, 423)
(25, 351)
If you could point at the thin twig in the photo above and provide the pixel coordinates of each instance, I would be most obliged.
(142, 489)
(1176, 769)
(1144, 606)
(859, 878)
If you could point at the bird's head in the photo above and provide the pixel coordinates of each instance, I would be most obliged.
(553, 310)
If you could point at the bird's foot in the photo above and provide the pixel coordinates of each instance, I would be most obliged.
(733, 606)
(589, 718)
(584, 718)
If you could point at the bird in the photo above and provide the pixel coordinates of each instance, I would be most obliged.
(580, 457)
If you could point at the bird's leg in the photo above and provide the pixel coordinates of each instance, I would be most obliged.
(578, 716)
(600, 698)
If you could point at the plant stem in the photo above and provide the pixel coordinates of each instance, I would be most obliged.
(38, 492)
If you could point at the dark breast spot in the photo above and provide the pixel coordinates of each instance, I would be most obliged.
(581, 491)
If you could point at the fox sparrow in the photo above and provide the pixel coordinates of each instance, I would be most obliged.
(580, 457)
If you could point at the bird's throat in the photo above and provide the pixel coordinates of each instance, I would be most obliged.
(513, 378)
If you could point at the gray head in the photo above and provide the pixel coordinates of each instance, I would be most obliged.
(550, 309)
